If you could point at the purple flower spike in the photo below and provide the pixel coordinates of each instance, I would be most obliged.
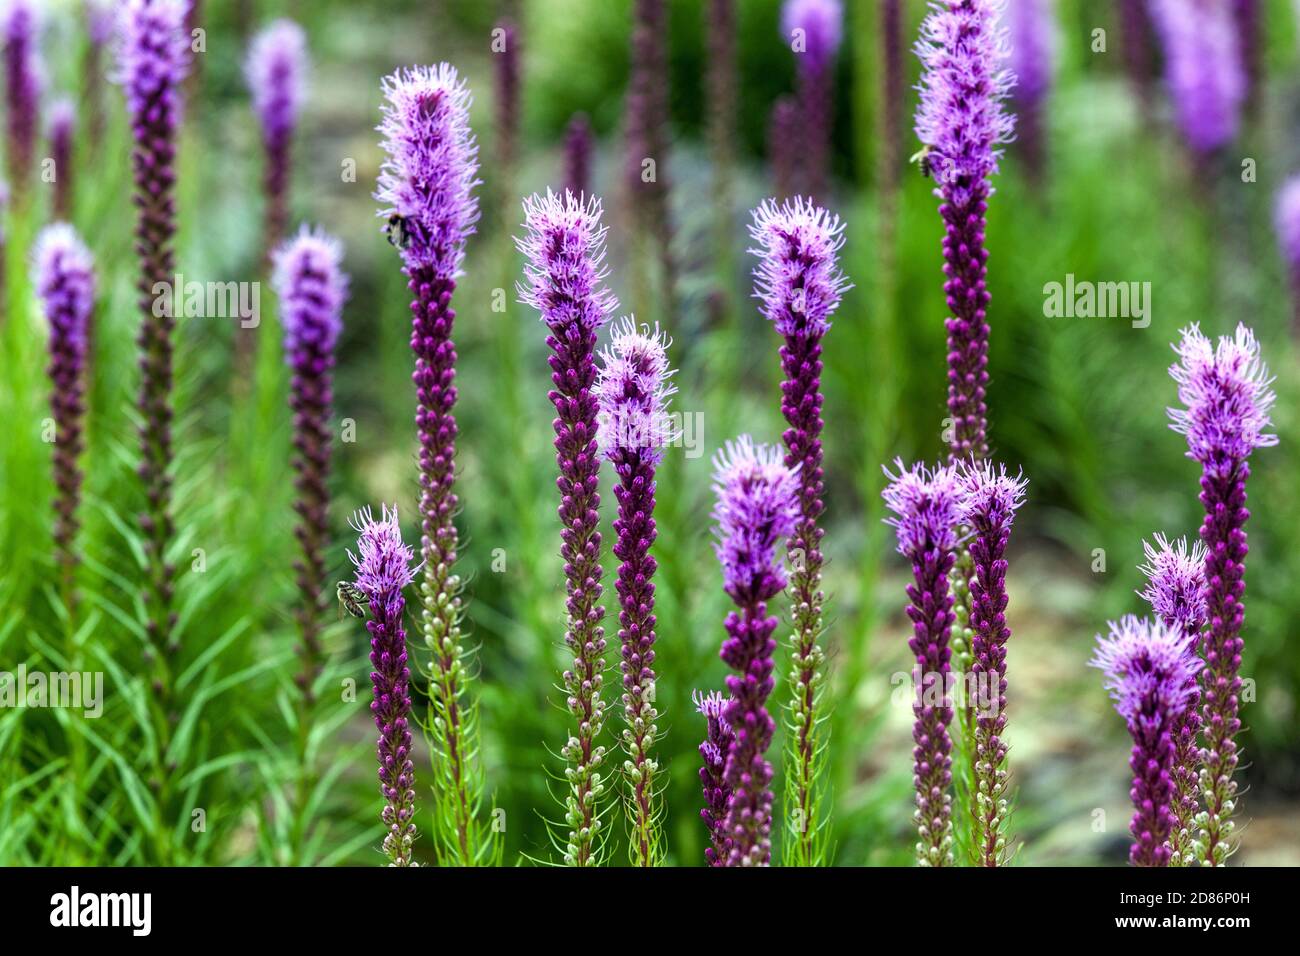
(577, 155)
(927, 506)
(312, 287)
(713, 752)
(1286, 221)
(1151, 673)
(426, 188)
(991, 498)
(813, 29)
(1226, 398)
(62, 128)
(506, 57)
(1203, 69)
(383, 564)
(21, 32)
(799, 284)
(632, 389)
(65, 282)
(152, 58)
(962, 122)
(564, 244)
(276, 73)
(1176, 592)
(757, 509)
(1031, 30)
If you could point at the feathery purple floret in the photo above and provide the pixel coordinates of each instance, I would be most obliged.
(577, 155)
(927, 512)
(62, 128)
(1203, 69)
(1151, 672)
(713, 754)
(312, 287)
(21, 30)
(1224, 388)
(756, 510)
(990, 499)
(564, 243)
(798, 278)
(632, 390)
(429, 175)
(383, 569)
(65, 282)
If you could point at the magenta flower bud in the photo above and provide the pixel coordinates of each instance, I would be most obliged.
(564, 244)
(276, 71)
(21, 29)
(152, 54)
(1203, 69)
(383, 569)
(962, 122)
(1225, 391)
(713, 753)
(813, 29)
(62, 128)
(757, 508)
(927, 507)
(1150, 672)
(312, 287)
(65, 281)
(632, 390)
(577, 155)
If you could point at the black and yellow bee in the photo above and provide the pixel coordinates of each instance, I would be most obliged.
(351, 599)
(397, 231)
(922, 159)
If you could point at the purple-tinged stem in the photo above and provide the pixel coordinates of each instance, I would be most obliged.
(577, 155)
(782, 139)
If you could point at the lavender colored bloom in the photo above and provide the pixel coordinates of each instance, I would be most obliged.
(1176, 592)
(63, 123)
(1151, 672)
(1286, 221)
(1226, 398)
(383, 564)
(577, 155)
(312, 288)
(799, 284)
(927, 507)
(991, 498)
(1031, 57)
(564, 243)
(21, 31)
(152, 57)
(276, 74)
(426, 188)
(757, 508)
(813, 29)
(713, 753)
(65, 281)
(961, 121)
(632, 391)
(1203, 69)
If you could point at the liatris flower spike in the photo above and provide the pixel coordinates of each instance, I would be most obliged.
(62, 128)
(505, 54)
(426, 189)
(713, 752)
(1031, 30)
(276, 73)
(383, 569)
(1176, 592)
(312, 288)
(564, 245)
(799, 284)
(757, 509)
(1286, 221)
(152, 59)
(65, 282)
(927, 512)
(990, 500)
(962, 122)
(1150, 671)
(632, 389)
(1226, 396)
(1203, 70)
(21, 30)
(813, 28)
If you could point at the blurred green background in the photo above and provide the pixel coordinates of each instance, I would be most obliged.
(1078, 403)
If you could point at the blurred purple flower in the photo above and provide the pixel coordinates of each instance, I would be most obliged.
(506, 61)
(1031, 57)
(276, 73)
(577, 155)
(813, 29)
(1151, 673)
(21, 29)
(61, 130)
(1203, 69)
(713, 753)
(1286, 221)
(383, 569)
